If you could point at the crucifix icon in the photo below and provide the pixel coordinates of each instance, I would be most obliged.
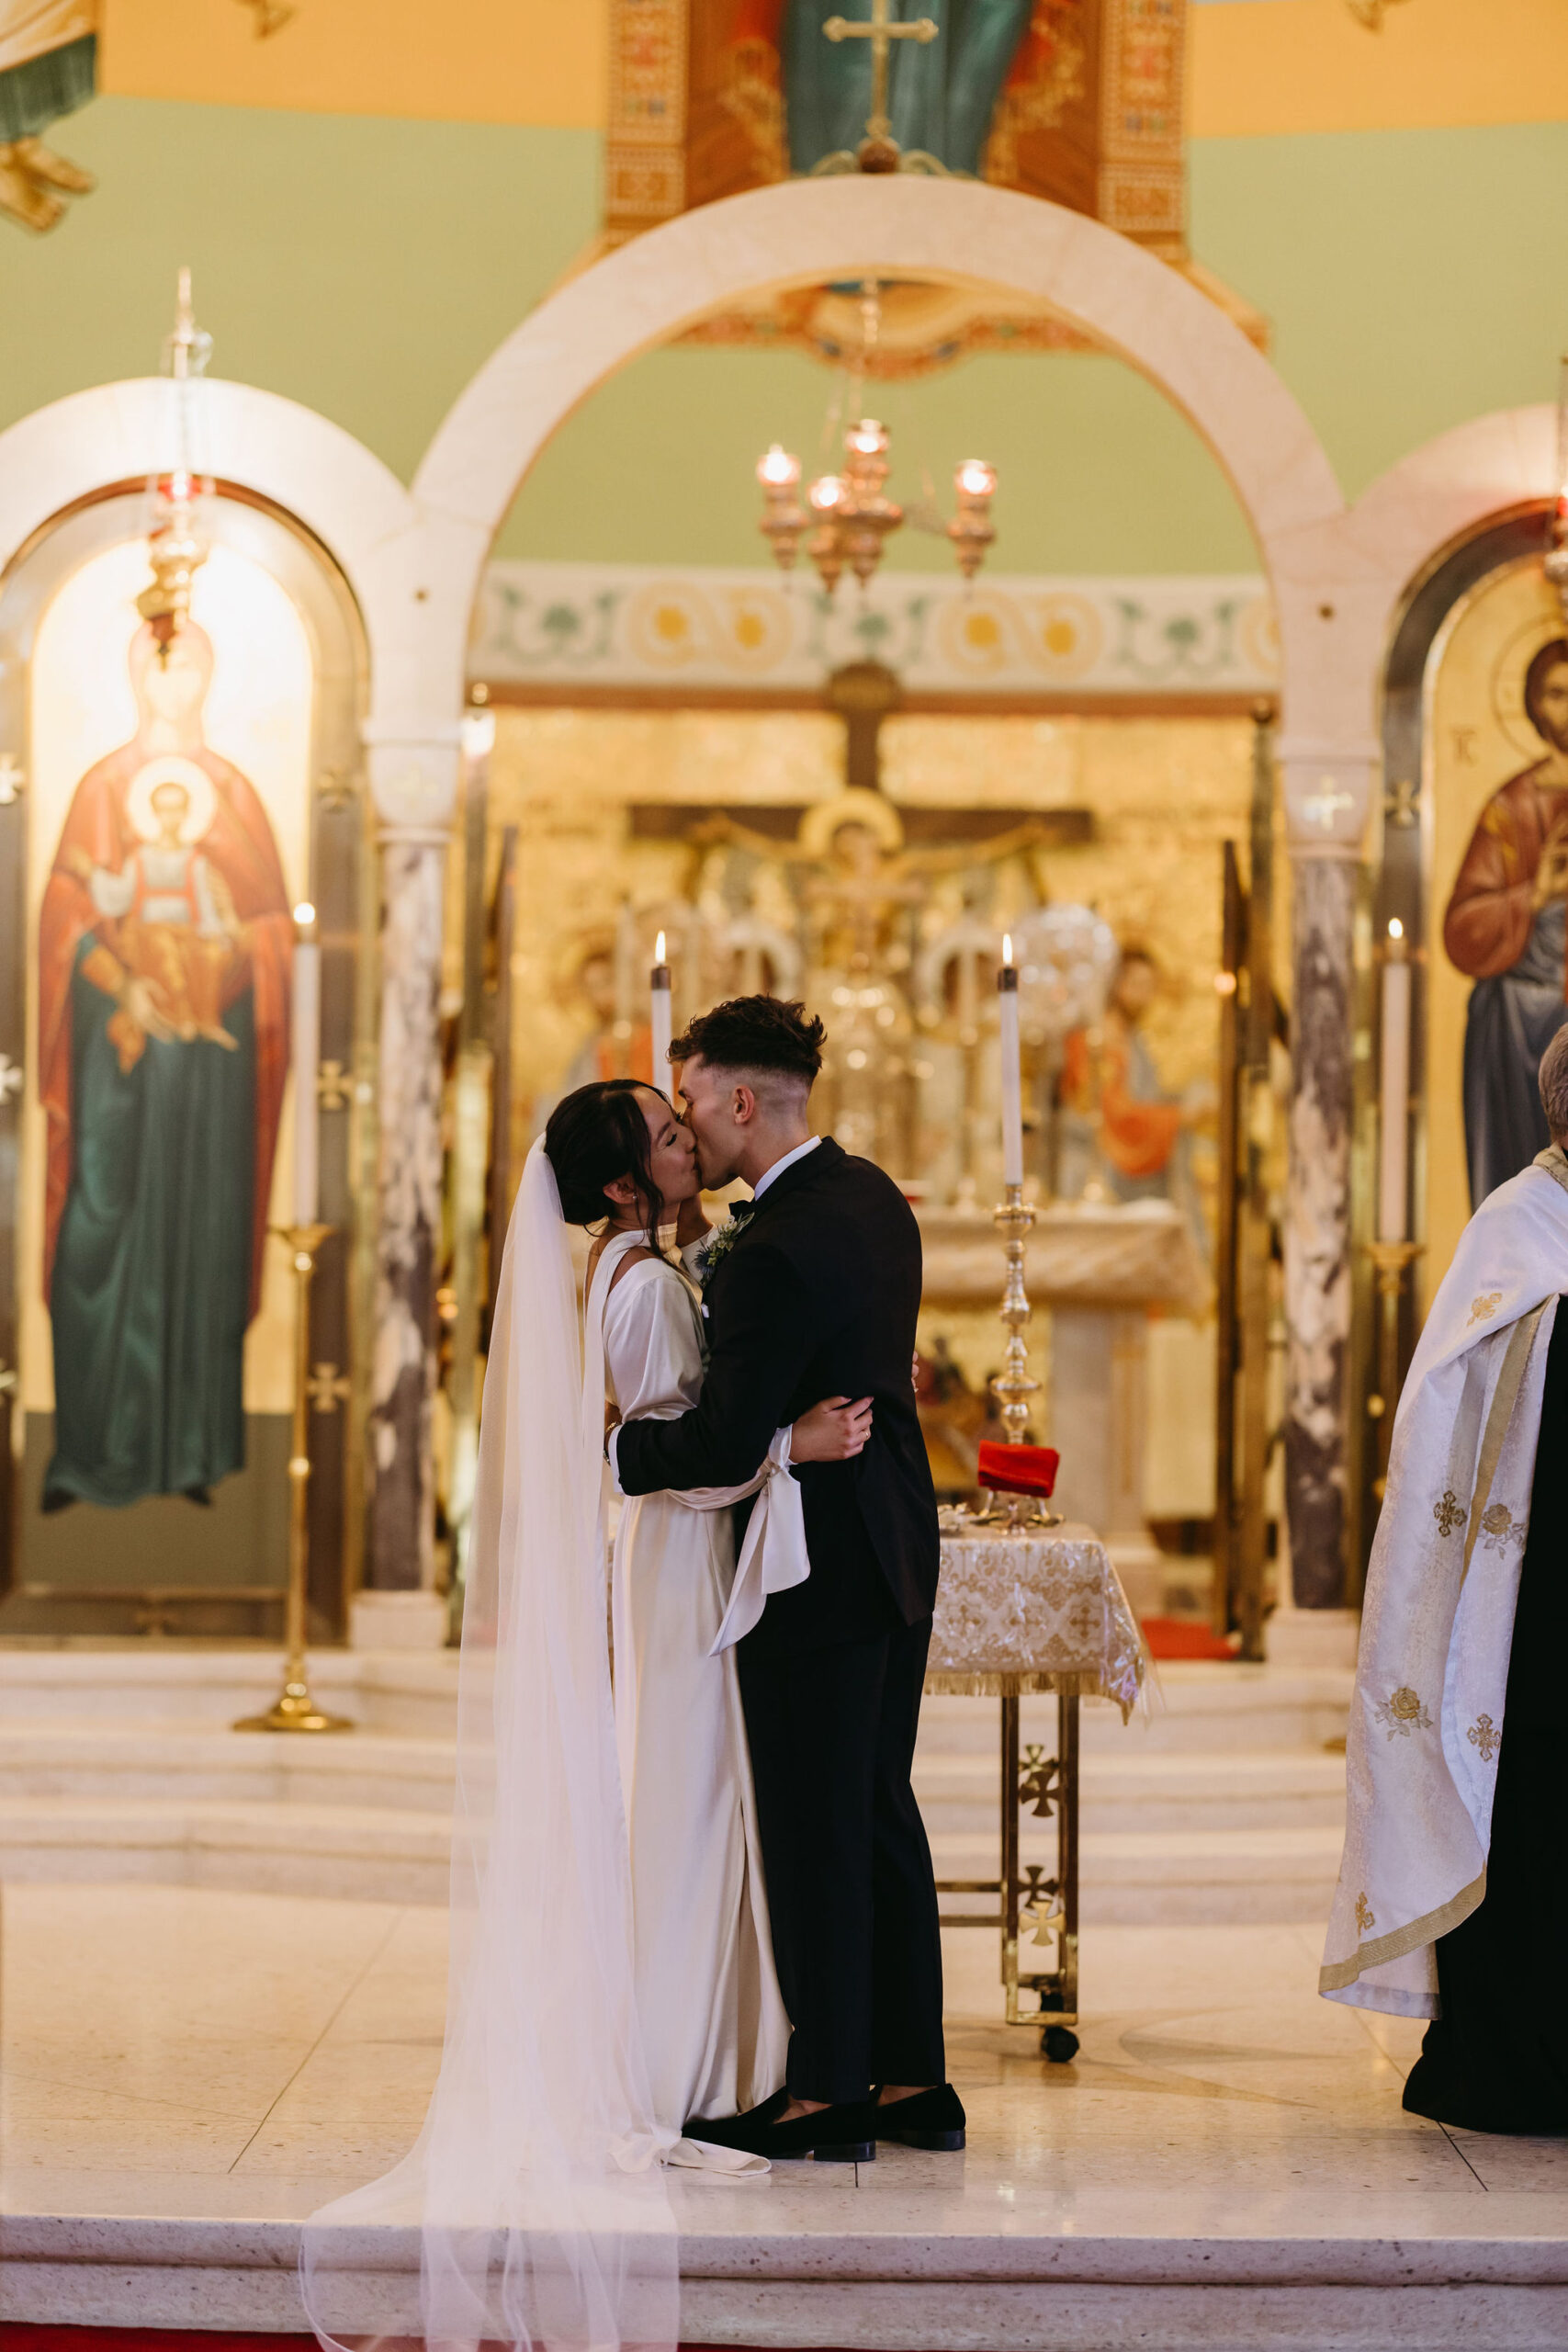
(882, 31)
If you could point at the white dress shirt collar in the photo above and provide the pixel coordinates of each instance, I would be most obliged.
(780, 1165)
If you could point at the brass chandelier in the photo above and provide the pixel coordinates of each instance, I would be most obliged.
(847, 518)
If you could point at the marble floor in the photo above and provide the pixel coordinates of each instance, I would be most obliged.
(187, 2073)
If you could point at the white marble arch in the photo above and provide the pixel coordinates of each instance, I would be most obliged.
(804, 230)
(315, 471)
(1442, 493)
(371, 529)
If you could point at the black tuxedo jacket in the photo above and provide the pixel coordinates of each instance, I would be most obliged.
(818, 1297)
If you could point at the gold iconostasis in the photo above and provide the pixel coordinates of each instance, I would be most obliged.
(734, 832)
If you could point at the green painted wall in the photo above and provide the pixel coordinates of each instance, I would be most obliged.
(363, 266)
(366, 267)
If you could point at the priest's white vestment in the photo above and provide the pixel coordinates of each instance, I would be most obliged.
(1427, 1718)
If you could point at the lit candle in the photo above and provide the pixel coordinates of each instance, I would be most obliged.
(1393, 1091)
(1013, 1073)
(660, 978)
(307, 1057)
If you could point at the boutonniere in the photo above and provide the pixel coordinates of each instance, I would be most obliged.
(722, 1240)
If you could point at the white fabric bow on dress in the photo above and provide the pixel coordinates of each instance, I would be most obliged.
(773, 1556)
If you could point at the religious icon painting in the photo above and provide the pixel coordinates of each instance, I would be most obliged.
(167, 829)
(1499, 757)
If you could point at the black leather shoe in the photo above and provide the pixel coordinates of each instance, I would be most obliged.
(720, 2131)
(934, 2119)
(834, 2135)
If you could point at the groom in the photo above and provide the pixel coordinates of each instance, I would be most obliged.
(818, 1295)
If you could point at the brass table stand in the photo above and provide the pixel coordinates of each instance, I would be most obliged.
(1047, 1786)
(294, 1709)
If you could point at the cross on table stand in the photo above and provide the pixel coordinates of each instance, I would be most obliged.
(879, 151)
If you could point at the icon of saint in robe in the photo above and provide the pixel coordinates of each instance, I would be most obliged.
(1507, 926)
(164, 948)
(1117, 1112)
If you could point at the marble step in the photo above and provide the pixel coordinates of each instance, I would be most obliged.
(1131, 1788)
(1198, 1706)
(363, 1853)
(1235, 1789)
(1137, 1878)
(402, 1692)
(50, 1756)
(381, 1853)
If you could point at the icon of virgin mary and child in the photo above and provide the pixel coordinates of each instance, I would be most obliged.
(164, 948)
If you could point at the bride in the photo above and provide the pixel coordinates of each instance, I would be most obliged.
(610, 1971)
(714, 2027)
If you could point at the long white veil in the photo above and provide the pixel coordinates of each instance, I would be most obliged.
(534, 2187)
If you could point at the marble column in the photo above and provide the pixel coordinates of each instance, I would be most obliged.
(1317, 1232)
(413, 785)
(1326, 789)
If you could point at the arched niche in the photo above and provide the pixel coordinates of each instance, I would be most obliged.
(284, 704)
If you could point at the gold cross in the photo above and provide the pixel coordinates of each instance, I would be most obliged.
(327, 1387)
(882, 32)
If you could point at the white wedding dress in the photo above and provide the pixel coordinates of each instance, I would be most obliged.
(713, 2021)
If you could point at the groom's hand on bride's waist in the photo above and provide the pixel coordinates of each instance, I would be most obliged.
(834, 1430)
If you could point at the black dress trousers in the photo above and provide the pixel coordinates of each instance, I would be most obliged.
(1496, 2057)
(856, 1935)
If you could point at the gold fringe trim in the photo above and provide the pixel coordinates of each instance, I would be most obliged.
(943, 1682)
(1332, 1977)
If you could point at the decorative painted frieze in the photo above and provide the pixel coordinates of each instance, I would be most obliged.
(634, 626)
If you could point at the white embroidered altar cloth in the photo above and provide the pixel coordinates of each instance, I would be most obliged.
(1041, 1610)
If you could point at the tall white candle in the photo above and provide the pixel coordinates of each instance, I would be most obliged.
(1393, 1089)
(307, 1059)
(662, 1032)
(1012, 1071)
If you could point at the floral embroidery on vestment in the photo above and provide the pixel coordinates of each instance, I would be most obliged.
(1365, 1915)
(1487, 1304)
(1499, 1528)
(1484, 1737)
(1448, 1511)
(1403, 1712)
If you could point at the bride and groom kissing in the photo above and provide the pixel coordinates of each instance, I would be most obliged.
(786, 1951)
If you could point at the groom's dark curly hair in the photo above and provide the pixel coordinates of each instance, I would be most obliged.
(755, 1034)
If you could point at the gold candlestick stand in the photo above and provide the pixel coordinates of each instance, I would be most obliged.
(1014, 1220)
(1393, 1261)
(294, 1709)
(1029, 1777)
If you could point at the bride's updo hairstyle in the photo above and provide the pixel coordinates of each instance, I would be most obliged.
(592, 1137)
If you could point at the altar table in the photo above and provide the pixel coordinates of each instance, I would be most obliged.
(1017, 1613)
